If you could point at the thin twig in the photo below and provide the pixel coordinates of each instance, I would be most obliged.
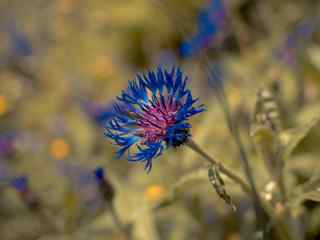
(260, 212)
(192, 145)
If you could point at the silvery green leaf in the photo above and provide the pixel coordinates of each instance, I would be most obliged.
(291, 138)
(313, 195)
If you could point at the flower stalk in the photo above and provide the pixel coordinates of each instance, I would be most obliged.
(261, 215)
(195, 147)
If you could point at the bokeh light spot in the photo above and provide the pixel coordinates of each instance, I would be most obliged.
(59, 149)
(154, 193)
(3, 105)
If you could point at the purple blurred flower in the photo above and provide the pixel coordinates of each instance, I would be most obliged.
(296, 41)
(7, 144)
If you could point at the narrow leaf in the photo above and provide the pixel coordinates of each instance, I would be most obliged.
(291, 138)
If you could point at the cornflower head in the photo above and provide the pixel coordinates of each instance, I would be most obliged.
(151, 115)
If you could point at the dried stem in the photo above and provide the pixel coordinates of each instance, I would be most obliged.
(261, 215)
(195, 147)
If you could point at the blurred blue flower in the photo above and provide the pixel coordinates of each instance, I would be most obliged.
(151, 115)
(20, 183)
(211, 27)
(20, 44)
(105, 186)
(99, 174)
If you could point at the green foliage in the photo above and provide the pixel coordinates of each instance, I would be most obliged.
(291, 138)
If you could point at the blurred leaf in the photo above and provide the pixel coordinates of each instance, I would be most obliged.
(145, 228)
(314, 221)
(314, 196)
(261, 134)
(291, 138)
(314, 55)
(190, 179)
(71, 208)
(307, 191)
(304, 164)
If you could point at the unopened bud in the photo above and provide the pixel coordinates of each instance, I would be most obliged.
(105, 186)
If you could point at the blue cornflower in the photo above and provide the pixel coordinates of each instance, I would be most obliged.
(20, 183)
(151, 115)
(99, 174)
(105, 186)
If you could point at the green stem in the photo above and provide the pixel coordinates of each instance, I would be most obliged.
(195, 147)
(261, 215)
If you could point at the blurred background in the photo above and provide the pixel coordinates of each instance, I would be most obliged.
(62, 64)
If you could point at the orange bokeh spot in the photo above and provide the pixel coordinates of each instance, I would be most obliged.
(59, 149)
(154, 193)
(3, 105)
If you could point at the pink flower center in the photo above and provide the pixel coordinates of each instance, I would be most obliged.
(155, 121)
